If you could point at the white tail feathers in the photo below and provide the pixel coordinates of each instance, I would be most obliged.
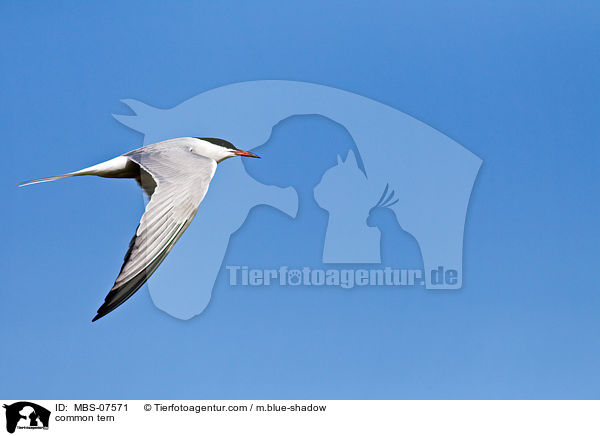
(118, 167)
(47, 179)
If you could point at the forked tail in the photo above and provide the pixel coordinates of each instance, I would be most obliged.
(118, 167)
(46, 179)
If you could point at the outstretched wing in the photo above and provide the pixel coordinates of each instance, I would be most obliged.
(177, 180)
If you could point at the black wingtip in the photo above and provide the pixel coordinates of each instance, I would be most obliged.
(98, 316)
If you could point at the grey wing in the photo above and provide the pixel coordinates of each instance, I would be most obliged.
(178, 181)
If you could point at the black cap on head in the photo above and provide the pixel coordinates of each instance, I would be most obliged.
(220, 142)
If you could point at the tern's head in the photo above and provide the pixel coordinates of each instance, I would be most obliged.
(219, 149)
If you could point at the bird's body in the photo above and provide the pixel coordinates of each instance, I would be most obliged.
(175, 174)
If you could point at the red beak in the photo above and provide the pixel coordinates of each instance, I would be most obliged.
(245, 153)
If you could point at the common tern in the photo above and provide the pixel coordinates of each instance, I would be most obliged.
(175, 175)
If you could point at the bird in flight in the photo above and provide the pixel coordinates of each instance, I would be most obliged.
(175, 175)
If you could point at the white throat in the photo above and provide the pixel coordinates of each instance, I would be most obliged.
(210, 150)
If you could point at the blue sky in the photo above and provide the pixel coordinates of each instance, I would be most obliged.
(514, 82)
